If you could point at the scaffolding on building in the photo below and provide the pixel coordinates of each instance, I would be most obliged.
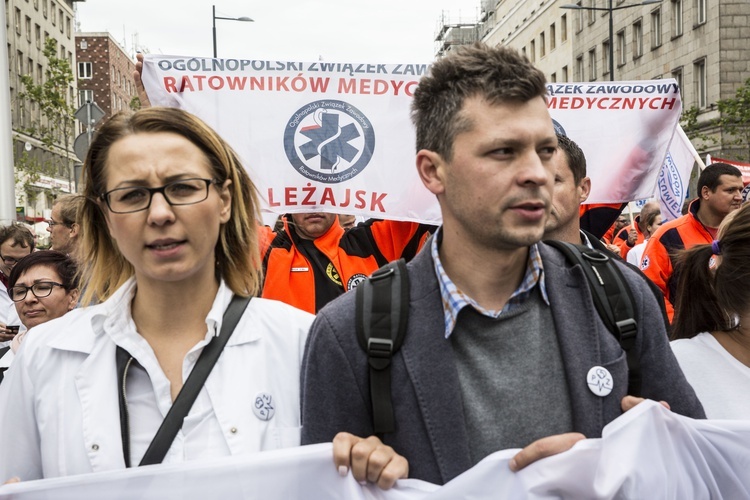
(455, 31)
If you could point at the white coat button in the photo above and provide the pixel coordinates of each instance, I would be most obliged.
(233, 430)
(263, 406)
(600, 381)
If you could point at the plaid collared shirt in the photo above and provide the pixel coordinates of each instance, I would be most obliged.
(454, 299)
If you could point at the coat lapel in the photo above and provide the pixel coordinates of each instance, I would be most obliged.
(431, 366)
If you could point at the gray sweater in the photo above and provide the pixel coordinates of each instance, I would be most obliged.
(431, 430)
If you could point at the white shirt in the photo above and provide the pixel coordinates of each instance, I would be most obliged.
(636, 254)
(720, 381)
(59, 411)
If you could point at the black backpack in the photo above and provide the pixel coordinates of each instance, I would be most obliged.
(382, 313)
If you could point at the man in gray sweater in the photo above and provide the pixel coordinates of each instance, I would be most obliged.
(504, 348)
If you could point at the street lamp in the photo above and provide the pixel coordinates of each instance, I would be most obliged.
(611, 26)
(243, 19)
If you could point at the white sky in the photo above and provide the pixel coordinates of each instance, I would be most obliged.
(295, 30)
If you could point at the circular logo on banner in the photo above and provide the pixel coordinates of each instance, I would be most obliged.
(746, 194)
(329, 141)
(559, 130)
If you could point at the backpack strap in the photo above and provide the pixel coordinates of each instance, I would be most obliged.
(382, 313)
(613, 300)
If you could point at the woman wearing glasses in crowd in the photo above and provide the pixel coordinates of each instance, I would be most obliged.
(43, 287)
(168, 238)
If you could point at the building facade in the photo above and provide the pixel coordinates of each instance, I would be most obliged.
(703, 44)
(44, 168)
(105, 73)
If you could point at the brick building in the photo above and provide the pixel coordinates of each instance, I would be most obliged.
(105, 73)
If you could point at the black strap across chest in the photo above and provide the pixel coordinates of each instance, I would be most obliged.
(172, 423)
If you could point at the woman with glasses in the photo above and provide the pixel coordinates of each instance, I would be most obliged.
(168, 243)
(43, 287)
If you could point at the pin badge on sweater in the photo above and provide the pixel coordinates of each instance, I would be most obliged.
(600, 381)
(264, 407)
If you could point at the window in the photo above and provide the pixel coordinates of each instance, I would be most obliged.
(532, 51)
(30, 67)
(85, 96)
(564, 28)
(637, 39)
(53, 17)
(677, 75)
(676, 18)
(700, 12)
(38, 36)
(36, 4)
(44, 8)
(61, 16)
(28, 29)
(579, 69)
(39, 74)
(621, 48)
(553, 78)
(552, 36)
(605, 57)
(67, 26)
(18, 21)
(579, 21)
(699, 82)
(655, 28)
(591, 12)
(84, 70)
(542, 45)
(592, 65)
(564, 73)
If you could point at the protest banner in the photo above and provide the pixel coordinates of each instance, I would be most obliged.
(702, 458)
(337, 137)
(674, 176)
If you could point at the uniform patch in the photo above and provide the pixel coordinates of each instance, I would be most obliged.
(333, 274)
(355, 280)
(645, 262)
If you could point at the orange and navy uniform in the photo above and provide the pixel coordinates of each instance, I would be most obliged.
(663, 247)
(621, 239)
(308, 274)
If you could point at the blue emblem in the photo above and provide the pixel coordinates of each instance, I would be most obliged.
(746, 194)
(329, 141)
(559, 130)
(671, 188)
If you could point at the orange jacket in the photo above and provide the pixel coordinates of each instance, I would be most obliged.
(663, 247)
(621, 239)
(309, 274)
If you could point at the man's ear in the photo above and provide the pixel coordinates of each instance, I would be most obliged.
(705, 192)
(585, 189)
(431, 169)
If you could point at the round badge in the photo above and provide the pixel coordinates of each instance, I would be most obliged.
(599, 381)
(263, 407)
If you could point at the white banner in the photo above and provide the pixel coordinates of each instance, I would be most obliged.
(314, 136)
(674, 176)
(649, 452)
(337, 137)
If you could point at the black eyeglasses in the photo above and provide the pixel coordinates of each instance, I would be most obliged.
(10, 261)
(40, 290)
(53, 223)
(134, 199)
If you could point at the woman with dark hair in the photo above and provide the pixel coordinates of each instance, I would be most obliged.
(711, 331)
(43, 286)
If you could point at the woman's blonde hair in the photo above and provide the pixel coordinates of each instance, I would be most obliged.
(103, 268)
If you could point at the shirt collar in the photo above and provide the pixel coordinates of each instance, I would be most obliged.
(454, 300)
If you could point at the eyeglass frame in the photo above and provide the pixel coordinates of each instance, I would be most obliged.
(27, 288)
(105, 196)
(15, 261)
(52, 223)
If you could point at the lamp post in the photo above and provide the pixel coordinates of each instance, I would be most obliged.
(215, 17)
(610, 9)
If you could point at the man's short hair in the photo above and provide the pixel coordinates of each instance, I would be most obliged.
(575, 157)
(710, 175)
(498, 75)
(70, 204)
(19, 234)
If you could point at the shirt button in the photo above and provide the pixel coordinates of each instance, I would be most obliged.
(233, 430)
(192, 356)
(95, 447)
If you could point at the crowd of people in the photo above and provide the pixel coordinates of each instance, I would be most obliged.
(167, 324)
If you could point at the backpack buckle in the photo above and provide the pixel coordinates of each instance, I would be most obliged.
(379, 348)
(627, 329)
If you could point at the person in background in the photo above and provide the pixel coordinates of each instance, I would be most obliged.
(43, 287)
(347, 221)
(711, 329)
(63, 223)
(649, 223)
(628, 237)
(719, 193)
(16, 242)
